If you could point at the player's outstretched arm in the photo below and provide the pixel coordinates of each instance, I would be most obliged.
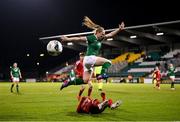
(113, 33)
(65, 38)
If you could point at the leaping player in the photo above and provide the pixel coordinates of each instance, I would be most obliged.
(94, 45)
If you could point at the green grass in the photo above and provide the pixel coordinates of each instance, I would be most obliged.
(44, 102)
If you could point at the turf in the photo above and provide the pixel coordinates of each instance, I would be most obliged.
(44, 102)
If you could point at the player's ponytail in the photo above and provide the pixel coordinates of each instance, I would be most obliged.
(90, 24)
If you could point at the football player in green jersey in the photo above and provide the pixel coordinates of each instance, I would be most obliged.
(15, 74)
(171, 73)
(92, 57)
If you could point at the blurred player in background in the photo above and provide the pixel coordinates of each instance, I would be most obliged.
(15, 74)
(76, 76)
(157, 77)
(94, 106)
(97, 72)
(171, 73)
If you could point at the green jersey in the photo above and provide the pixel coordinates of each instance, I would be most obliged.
(171, 71)
(15, 72)
(94, 45)
(72, 74)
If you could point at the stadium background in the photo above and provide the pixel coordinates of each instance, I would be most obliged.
(22, 23)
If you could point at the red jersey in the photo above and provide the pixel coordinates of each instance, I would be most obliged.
(157, 75)
(88, 105)
(79, 68)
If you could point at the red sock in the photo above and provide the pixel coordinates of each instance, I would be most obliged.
(89, 91)
(110, 102)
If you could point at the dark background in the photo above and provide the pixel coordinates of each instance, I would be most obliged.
(22, 22)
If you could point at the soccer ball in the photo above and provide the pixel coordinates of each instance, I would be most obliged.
(54, 48)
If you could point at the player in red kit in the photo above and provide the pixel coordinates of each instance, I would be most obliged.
(78, 80)
(79, 66)
(94, 106)
(78, 71)
(157, 77)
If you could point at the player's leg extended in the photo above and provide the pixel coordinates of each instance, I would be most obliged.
(115, 105)
(103, 105)
(103, 96)
(79, 108)
(69, 82)
(110, 102)
(87, 79)
(88, 64)
(90, 88)
(80, 92)
(105, 63)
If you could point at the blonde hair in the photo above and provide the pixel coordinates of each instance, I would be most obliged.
(91, 25)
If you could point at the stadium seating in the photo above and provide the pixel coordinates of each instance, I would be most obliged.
(133, 57)
(117, 67)
(149, 63)
(120, 58)
(132, 70)
(171, 54)
(129, 57)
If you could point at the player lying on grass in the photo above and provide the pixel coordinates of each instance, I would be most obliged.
(94, 106)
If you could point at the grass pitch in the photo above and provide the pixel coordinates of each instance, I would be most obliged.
(44, 102)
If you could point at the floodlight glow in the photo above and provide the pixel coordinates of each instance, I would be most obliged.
(133, 37)
(159, 34)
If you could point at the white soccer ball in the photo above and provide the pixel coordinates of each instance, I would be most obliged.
(54, 48)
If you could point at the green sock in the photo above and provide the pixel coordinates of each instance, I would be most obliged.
(172, 84)
(105, 66)
(77, 81)
(17, 88)
(12, 87)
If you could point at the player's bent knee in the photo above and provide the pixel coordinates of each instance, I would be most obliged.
(86, 80)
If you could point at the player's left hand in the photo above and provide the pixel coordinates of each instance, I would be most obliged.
(121, 26)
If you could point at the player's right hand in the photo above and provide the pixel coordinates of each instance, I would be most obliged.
(121, 26)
